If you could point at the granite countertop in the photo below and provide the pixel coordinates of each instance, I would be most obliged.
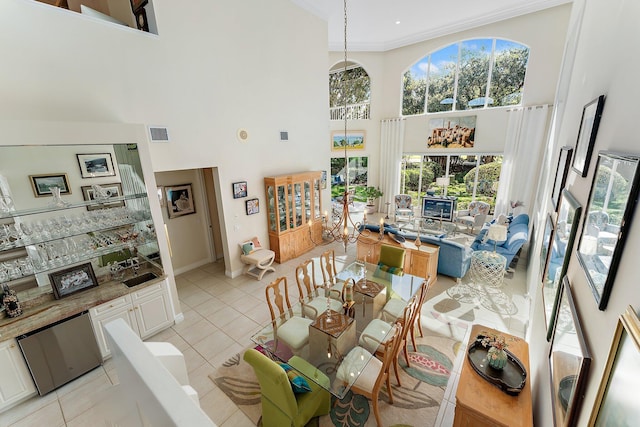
(49, 310)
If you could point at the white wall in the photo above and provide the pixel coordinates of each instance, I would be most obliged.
(214, 68)
(605, 63)
(544, 33)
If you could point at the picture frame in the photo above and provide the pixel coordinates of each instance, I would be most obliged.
(612, 406)
(609, 213)
(562, 170)
(457, 132)
(546, 245)
(566, 229)
(141, 19)
(113, 189)
(252, 206)
(589, 123)
(354, 140)
(569, 360)
(239, 189)
(179, 199)
(137, 4)
(42, 184)
(73, 279)
(95, 165)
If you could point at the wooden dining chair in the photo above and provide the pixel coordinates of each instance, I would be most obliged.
(372, 372)
(329, 273)
(393, 308)
(311, 295)
(287, 326)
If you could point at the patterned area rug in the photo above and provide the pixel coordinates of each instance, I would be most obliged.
(416, 402)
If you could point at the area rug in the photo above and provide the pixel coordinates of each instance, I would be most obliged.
(416, 402)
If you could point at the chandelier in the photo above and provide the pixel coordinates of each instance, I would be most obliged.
(342, 228)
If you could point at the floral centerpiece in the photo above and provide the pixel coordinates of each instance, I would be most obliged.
(496, 356)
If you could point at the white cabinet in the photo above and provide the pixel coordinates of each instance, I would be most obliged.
(146, 311)
(16, 384)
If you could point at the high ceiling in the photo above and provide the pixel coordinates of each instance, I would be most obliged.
(379, 25)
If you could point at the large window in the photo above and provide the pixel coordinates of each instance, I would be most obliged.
(476, 73)
(355, 85)
(472, 177)
(358, 168)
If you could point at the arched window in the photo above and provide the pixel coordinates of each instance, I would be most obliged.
(355, 85)
(478, 73)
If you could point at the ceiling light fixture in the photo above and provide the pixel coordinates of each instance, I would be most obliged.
(343, 228)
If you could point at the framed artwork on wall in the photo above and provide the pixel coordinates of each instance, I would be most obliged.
(562, 170)
(179, 200)
(354, 140)
(569, 360)
(591, 114)
(71, 280)
(239, 189)
(614, 405)
(452, 132)
(612, 201)
(95, 165)
(546, 245)
(253, 206)
(566, 229)
(42, 184)
(112, 190)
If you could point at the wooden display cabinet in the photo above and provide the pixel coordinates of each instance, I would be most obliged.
(293, 213)
(418, 261)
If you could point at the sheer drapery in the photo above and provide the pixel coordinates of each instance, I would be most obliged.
(523, 147)
(391, 142)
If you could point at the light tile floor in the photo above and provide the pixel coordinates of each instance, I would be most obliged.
(221, 314)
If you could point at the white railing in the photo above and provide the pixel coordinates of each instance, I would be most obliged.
(360, 111)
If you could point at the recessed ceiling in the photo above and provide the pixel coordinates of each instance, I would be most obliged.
(379, 25)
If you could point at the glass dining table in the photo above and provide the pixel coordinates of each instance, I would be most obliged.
(332, 334)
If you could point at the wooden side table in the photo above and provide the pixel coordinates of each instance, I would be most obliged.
(481, 404)
(336, 337)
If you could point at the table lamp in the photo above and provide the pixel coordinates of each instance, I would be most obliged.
(497, 232)
(443, 182)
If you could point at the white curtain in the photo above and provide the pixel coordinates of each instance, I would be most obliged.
(521, 162)
(391, 141)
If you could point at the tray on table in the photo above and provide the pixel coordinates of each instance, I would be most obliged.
(510, 379)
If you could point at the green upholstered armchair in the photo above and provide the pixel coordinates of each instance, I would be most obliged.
(280, 405)
(392, 257)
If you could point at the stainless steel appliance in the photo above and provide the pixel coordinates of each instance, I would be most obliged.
(60, 352)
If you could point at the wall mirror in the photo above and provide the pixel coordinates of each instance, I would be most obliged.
(562, 170)
(101, 216)
(612, 200)
(569, 360)
(569, 212)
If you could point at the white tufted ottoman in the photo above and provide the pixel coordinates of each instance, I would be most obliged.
(259, 262)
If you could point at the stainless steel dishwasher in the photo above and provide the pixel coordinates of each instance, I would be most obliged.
(60, 352)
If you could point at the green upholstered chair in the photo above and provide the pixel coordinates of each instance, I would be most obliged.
(392, 258)
(280, 405)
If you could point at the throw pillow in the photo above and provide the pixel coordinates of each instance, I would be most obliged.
(256, 244)
(298, 383)
(247, 247)
(398, 271)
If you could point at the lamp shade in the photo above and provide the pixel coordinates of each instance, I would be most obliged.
(443, 181)
(497, 233)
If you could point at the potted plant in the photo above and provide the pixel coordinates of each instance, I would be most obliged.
(496, 356)
(372, 193)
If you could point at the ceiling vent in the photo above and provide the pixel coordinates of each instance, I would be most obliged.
(158, 134)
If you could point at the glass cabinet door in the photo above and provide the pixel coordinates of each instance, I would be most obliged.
(316, 199)
(282, 207)
(297, 188)
(307, 201)
(290, 202)
(271, 208)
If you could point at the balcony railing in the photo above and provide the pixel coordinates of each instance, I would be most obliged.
(360, 111)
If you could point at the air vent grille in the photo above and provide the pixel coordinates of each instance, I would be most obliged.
(159, 134)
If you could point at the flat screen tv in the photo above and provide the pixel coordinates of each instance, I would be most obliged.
(438, 207)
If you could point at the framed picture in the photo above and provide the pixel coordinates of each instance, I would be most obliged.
(160, 192)
(179, 200)
(71, 280)
(612, 200)
(566, 229)
(42, 184)
(141, 19)
(562, 170)
(452, 132)
(569, 360)
(253, 206)
(354, 140)
(137, 4)
(112, 190)
(589, 123)
(239, 189)
(546, 245)
(614, 404)
(95, 165)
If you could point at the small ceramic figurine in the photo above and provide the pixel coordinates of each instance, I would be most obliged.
(10, 302)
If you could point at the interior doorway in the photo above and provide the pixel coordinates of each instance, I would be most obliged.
(209, 176)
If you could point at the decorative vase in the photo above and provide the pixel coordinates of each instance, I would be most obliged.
(497, 358)
(57, 201)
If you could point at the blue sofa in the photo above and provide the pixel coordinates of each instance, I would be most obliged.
(517, 235)
(454, 258)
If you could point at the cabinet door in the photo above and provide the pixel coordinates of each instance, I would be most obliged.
(16, 381)
(271, 208)
(152, 309)
(119, 308)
